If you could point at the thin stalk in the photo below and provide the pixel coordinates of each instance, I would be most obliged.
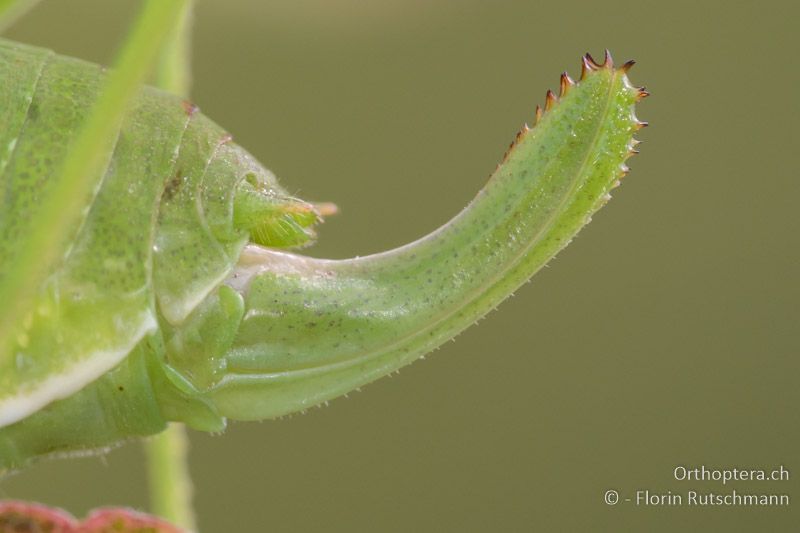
(167, 454)
(173, 71)
(168, 474)
(13, 10)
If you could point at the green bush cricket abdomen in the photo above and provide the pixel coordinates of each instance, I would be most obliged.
(174, 301)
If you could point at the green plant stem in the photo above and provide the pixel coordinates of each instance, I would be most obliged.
(167, 454)
(168, 473)
(12, 10)
(173, 71)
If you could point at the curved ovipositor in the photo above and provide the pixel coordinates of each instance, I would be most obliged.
(175, 301)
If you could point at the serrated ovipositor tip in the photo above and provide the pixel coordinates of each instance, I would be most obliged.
(550, 100)
(608, 61)
(586, 67)
(593, 65)
(566, 83)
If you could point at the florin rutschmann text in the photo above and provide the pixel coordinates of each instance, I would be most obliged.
(703, 497)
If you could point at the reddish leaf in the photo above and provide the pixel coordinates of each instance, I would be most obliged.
(117, 519)
(24, 517)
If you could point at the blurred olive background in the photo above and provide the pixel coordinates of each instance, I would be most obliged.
(665, 335)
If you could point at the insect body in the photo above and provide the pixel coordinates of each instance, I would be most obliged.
(173, 301)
